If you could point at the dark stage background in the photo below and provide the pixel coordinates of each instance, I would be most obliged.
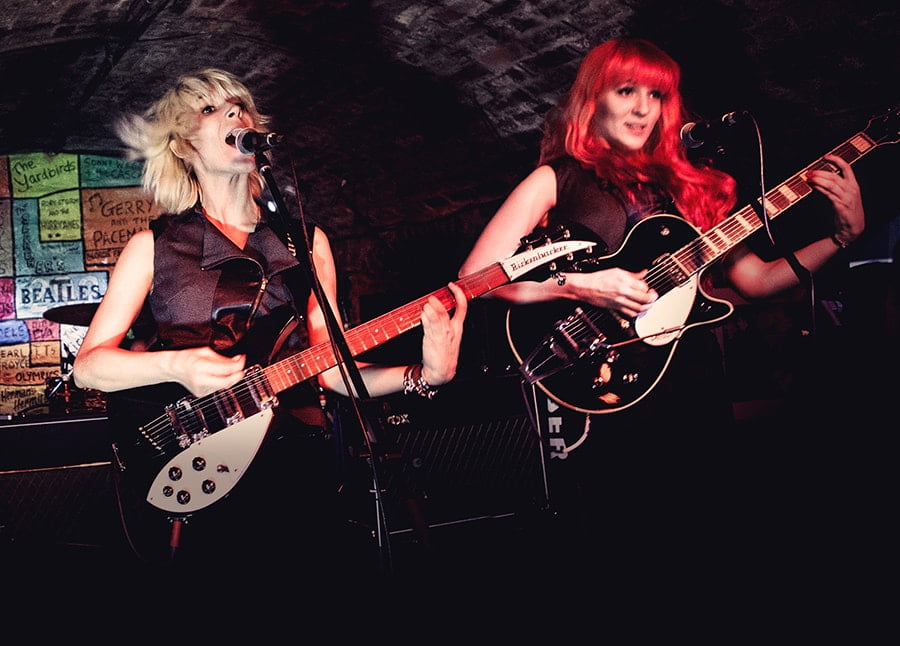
(406, 124)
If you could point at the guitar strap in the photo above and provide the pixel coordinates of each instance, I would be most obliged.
(803, 274)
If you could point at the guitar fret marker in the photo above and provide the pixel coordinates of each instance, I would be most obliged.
(717, 239)
(860, 143)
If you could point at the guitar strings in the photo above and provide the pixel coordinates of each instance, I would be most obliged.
(190, 418)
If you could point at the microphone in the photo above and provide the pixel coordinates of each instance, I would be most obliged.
(695, 133)
(250, 142)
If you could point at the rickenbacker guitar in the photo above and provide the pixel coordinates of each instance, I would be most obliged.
(195, 452)
(594, 360)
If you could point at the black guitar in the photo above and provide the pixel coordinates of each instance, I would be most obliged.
(197, 450)
(594, 360)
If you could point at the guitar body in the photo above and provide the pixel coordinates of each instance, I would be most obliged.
(174, 480)
(178, 458)
(596, 361)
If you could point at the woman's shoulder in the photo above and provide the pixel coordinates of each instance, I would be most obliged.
(569, 169)
(169, 222)
(563, 163)
(139, 246)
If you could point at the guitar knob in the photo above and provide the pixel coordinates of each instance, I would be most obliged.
(198, 463)
(208, 486)
(184, 497)
(604, 376)
(175, 474)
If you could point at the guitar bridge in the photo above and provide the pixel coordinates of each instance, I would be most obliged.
(572, 339)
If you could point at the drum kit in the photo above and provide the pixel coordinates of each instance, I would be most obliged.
(63, 396)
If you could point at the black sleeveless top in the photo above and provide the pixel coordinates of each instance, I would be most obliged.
(585, 200)
(208, 292)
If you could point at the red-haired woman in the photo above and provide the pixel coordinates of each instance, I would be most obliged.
(612, 156)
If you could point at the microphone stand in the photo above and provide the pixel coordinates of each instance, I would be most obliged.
(804, 276)
(287, 230)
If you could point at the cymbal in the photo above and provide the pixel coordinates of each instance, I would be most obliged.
(80, 314)
(83, 314)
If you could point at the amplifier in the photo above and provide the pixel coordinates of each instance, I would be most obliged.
(56, 481)
(35, 442)
(470, 453)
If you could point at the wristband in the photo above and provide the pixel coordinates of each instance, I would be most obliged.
(840, 243)
(414, 381)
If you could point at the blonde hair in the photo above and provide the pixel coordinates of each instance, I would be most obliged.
(168, 123)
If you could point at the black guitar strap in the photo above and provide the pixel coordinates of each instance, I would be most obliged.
(803, 274)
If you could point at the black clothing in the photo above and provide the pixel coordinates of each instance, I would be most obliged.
(648, 484)
(588, 201)
(205, 288)
(283, 514)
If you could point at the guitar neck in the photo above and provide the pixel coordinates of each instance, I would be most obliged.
(288, 372)
(713, 244)
(320, 357)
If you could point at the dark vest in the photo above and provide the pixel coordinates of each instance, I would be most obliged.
(208, 292)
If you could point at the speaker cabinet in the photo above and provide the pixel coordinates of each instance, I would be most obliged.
(470, 453)
(56, 482)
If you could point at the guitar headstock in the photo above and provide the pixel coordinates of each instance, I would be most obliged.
(542, 236)
(884, 129)
(558, 252)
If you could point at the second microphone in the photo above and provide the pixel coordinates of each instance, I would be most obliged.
(696, 133)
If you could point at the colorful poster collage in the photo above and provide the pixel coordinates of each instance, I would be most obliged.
(64, 220)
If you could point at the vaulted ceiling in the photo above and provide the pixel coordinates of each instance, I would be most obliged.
(407, 121)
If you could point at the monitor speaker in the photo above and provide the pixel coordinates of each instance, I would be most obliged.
(56, 483)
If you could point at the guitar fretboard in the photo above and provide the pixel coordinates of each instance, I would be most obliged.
(710, 246)
(318, 358)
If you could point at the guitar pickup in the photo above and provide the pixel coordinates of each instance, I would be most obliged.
(260, 388)
(187, 422)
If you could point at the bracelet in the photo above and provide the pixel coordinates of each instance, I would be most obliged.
(840, 243)
(414, 381)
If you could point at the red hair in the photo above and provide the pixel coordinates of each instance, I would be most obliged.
(704, 196)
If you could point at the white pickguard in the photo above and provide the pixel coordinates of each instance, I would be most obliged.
(665, 319)
(208, 469)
